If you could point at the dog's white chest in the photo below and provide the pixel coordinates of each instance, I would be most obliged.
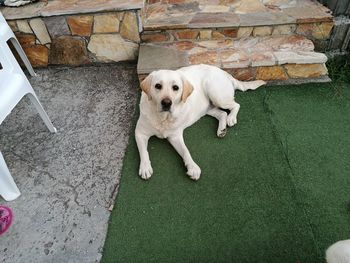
(164, 128)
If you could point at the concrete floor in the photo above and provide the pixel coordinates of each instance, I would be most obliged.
(68, 179)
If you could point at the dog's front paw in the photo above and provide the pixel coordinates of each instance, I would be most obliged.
(145, 170)
(193, 171)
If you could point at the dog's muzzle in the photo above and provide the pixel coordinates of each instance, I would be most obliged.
(166, 104)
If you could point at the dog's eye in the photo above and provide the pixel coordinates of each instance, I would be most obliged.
(158, 86)
(175, 87)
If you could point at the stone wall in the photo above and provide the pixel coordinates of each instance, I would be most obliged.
(79, 39)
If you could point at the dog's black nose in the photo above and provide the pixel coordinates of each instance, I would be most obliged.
(166, 104)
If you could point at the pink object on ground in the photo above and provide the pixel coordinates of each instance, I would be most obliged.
(5, 219)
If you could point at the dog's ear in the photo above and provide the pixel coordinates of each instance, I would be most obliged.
(187, 89)
(146, 85)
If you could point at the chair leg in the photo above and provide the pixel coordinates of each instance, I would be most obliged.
(8, 188)
(42, 112)
(23, 56)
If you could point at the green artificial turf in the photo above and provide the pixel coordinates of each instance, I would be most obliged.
(275, 189)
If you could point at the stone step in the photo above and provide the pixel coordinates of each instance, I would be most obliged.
(175, 14)
(44, 8)
(169, 20)
(273, 58)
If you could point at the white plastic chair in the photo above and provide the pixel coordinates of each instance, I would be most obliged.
(7, 34)
(14, 85)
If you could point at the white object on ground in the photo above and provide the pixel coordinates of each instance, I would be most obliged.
(14, 85)
(16, 2)
(339, 252)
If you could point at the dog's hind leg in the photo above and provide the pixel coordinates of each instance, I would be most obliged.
(221, 116)
(232, 117)
(223, 98)
(226, 102)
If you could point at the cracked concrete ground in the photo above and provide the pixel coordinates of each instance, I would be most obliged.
(68, 179)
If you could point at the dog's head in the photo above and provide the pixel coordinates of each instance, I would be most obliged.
(166, 89)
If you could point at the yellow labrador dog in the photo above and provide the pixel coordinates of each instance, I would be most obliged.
(171, 101)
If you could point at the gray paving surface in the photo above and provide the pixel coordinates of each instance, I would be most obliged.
(67, 179)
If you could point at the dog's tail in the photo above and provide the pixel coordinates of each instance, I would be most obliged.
(245, 85)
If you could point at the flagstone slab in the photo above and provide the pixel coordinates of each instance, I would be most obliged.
(151, 37)
(247, 43)
(155, 11)
(80, 25)
(244, 32)
(185, 7)
(37, 55)
(208, 57)
(205, 34)
(232, 32)
(158, 57)
(262, 31)
(210, 20)
(26, 39)
(271, 73)
(266, 58)
(233, 58)
(57, 26)
(215, 9)
(243, 74)
(293, 42)
(21, 12)
(319, 31)
(215, 44)
(250, 6)
(300, 57)
(180, 21)
(217, 35)
(129, 28)
(106, 23)
(112, 47)
(23, 26)
(284, 29)
(182, 45)
(306, 71)
(265, 19)
(187, 34)
(68, 50)
(307, 14)
(39, 28)
(13, 25)
(59, 7)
